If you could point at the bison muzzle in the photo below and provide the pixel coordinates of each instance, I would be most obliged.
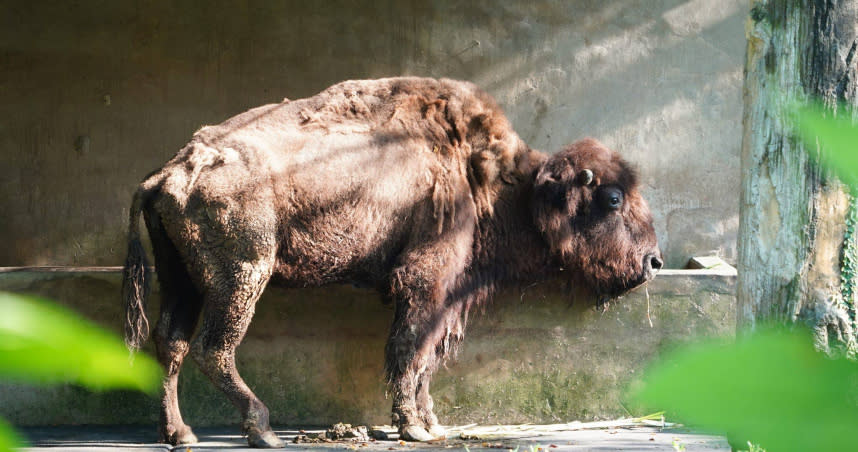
(417, 187)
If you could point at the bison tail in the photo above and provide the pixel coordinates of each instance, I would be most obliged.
(135, 281)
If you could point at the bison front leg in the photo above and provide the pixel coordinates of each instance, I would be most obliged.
(445, 335)
(420, 336)
(406, 361)
(425, 406)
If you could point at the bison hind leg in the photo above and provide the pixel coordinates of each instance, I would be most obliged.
(180, 310)
(228, 308)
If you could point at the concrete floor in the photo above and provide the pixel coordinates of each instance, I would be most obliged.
(141, 439)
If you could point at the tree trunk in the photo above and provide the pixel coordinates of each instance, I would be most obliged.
(793, 213)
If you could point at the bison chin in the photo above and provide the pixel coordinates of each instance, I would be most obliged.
(607, 282)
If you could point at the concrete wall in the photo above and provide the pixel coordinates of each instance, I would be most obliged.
(95, 94)
(315, 357)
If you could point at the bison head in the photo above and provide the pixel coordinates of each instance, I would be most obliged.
(588, 208)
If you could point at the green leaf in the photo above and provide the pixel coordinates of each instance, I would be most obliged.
(9, 439)
(837, 136)
(43, 343)
(772, 388)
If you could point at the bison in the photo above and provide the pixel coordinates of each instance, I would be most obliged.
(416, 187)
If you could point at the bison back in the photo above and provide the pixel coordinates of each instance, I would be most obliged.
(346, 179)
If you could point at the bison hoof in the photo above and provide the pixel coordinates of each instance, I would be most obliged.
(436, 431)
(415, 433)
(179, 436)
(264, 440)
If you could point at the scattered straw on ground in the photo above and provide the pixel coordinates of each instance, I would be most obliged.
(478, 432)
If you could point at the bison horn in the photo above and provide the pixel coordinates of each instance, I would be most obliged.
(586, 177)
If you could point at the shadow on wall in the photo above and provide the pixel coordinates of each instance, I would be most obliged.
(659, 81)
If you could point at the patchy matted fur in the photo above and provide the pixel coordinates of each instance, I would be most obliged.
(416, 187)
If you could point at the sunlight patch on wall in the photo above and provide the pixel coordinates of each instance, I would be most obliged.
(695, 16)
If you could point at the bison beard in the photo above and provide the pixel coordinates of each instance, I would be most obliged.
(417, 187)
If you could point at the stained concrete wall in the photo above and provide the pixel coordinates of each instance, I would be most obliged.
(537, 354)
(96, 94)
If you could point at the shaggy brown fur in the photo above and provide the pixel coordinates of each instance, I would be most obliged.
(417, 187)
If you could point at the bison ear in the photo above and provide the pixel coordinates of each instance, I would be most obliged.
(553, 181)
(555, 171)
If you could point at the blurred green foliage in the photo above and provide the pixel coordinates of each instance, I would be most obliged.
(9, 439)
(835, 134)
(835, 137)
(771, 387)
(42, 343)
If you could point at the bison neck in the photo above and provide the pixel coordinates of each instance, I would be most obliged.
(509, 248)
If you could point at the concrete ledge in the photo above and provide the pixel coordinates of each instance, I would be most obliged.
(537, 354)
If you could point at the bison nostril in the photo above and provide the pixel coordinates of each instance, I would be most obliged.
(654, 262)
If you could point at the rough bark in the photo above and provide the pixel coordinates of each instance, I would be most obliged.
(793, 213)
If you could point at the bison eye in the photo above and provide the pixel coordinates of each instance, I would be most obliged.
(611, 198)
